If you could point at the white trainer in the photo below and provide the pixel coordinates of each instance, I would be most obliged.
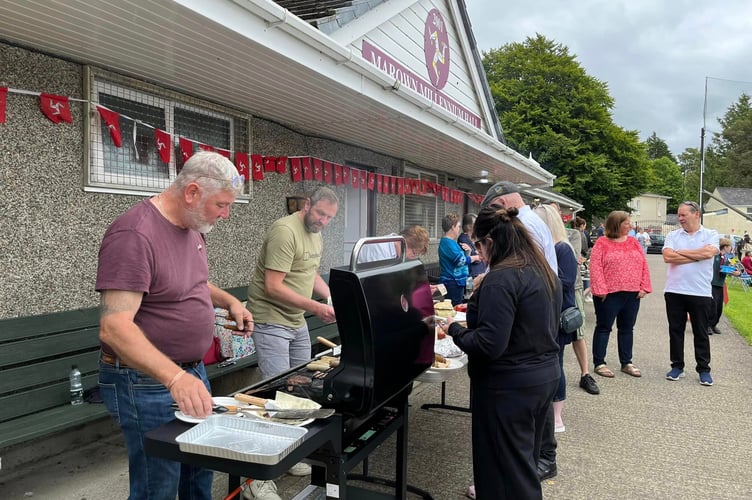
(300, 469)
(262, 490)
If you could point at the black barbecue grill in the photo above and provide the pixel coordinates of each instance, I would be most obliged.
(384, 317)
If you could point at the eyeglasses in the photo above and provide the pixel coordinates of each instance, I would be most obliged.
(478, 242)
(237, 181)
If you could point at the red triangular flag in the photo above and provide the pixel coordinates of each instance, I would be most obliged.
(226, 154)
(345, 175)
(355, 176)
(318, 173)
(270, 163)
(55, 107)
(164, 144)
(112, 119)
(379, 183)
(281, 164)
(307, 170)
(256, 167)
(295, 171)
(328, 172)
(242, 164)
(337, 175)
(3, 97)
(393, 182)
(186, 149)
(363, 177)
(206, 147)
(371, 181)
(401, 186)
(257, 171)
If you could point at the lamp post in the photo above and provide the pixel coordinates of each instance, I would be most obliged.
(702, 145)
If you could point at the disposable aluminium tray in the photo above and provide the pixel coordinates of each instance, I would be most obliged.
(243, 439)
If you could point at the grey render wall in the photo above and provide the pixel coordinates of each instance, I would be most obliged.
(51, 228)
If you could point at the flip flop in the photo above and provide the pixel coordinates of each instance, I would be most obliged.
(604, 371)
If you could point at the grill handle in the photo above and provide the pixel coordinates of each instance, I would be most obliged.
(375, 240)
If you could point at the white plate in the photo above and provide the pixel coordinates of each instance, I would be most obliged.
(454, 364)
(219, 400)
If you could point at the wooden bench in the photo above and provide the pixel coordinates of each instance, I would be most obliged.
(36, 355)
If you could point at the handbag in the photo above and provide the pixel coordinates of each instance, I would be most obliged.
(571, 320)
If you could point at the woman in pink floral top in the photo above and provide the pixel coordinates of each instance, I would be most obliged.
(619, 278)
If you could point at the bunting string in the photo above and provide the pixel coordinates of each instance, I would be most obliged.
(252, 166)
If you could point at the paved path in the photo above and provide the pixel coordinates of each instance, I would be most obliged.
(640, 438)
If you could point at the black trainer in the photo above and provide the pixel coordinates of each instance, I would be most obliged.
(716, 330)
(546, 470)
(588, 383)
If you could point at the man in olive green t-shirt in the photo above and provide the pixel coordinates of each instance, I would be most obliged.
(284, 281)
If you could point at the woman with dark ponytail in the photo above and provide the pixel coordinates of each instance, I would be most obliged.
(510, 340)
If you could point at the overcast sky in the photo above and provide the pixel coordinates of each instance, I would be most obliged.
(654, 55)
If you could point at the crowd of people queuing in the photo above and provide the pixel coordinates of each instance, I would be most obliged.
(156, 306)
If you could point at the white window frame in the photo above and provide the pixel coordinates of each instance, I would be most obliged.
(97, 180)
(433, 227)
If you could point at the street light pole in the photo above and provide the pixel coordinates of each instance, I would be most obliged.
(702, 145)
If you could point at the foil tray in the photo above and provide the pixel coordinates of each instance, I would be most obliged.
(242, 439)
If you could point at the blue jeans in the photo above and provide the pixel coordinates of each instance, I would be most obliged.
(280, 348)
(455, 292)
(138, 404)
(622, 307)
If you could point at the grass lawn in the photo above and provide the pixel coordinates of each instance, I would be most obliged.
(739, 309)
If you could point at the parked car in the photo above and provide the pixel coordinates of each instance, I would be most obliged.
(656, 243)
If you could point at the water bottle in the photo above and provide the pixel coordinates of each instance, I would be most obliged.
(469, 287)
(76, 388)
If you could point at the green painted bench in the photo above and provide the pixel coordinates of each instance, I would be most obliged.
(36, 354)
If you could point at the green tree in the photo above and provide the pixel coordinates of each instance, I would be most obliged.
(689, 164)
(657, 148)
(666, 179)
(551, 108)
(728, 159)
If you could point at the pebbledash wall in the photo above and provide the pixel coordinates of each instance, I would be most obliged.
(51, 228)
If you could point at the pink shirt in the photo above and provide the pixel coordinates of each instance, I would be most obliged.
(618, 266)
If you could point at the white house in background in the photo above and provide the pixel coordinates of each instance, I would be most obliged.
(649, 208)
(721, 216)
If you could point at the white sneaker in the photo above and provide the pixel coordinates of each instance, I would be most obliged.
(300, 469)
(262, 490)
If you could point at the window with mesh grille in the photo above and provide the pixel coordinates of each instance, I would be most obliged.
(423, 209)
(136, 166)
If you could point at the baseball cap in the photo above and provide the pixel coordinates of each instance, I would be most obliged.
(499, 189)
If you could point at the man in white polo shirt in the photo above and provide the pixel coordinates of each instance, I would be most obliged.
(689, 253)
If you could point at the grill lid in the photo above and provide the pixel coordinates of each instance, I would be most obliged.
(383, 315)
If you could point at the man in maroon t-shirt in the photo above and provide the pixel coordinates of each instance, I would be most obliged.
(157, 316)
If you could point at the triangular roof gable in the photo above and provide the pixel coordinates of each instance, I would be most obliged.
(392, 35)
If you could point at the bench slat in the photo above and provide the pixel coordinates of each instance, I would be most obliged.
(48, 422)
(25, 351)
(30, 375)
(41, 398)
(45, 324)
